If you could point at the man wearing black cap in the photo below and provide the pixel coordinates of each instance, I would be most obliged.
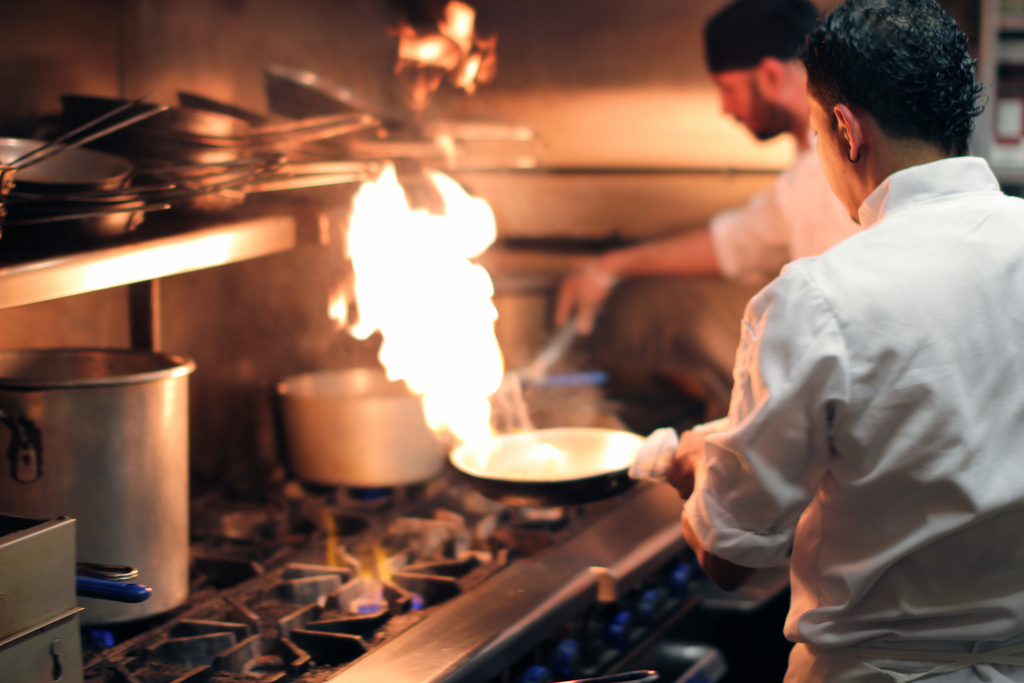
(751, 48)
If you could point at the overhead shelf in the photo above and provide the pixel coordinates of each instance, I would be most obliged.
(66, 275)
(1011, 23)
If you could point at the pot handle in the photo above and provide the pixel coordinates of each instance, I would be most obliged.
(25, 450)
(104, 589)
(111, 572)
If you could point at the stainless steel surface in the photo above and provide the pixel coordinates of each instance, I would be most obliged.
(475, 637)
(37, 572)
(61, 276)
(108, 445)
(680, 661)
(355, 428)
(52, 652)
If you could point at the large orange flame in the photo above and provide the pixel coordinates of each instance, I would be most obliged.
(414, 282)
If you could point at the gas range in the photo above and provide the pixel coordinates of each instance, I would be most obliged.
(433, 583)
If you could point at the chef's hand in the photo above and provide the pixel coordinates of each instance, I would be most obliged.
(683, 471)
(583, 293)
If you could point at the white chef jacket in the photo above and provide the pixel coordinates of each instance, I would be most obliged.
(877, 428)
(797, 216)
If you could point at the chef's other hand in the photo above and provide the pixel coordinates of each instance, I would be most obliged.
(583, 293)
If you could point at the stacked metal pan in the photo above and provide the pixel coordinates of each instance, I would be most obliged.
(215, 158)
(74, 196)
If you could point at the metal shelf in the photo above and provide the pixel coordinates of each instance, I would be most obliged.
(66, 275)
(1011, 23)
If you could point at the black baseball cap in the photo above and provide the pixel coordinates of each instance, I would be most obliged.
(746, 31)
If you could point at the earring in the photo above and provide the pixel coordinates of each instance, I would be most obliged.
(849, 156)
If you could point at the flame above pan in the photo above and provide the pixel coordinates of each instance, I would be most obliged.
(415, 283)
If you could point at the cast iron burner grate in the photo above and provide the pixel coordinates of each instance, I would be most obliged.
(297, 592)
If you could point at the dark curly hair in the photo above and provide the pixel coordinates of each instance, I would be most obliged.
(905, 62)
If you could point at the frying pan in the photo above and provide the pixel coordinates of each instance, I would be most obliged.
(194, 101)
(71, 170)
(265, 130)
(550, 467)
(180, 120)
(299, 93)
(564, 466)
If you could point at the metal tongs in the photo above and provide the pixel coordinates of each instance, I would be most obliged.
(509, 404)
(560, 341)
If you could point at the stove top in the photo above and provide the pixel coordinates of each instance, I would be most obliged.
(360, 585)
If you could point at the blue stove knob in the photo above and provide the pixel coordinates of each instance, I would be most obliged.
(679, 580)
(647, 605)
(616, 633)
(565, 659)
(536, 674)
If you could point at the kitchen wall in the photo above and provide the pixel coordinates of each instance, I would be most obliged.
(616, 92)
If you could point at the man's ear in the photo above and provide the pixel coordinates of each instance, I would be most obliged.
(851, 129)
(770, 74)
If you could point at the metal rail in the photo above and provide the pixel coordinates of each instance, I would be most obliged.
(89, 271)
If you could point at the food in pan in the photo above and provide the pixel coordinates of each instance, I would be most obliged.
(549, 454)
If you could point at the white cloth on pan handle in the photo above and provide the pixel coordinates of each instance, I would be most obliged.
(655, 455)
(658, 450)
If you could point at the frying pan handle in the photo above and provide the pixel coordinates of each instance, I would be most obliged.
(647, 676)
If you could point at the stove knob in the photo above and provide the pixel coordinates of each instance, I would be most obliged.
(565, 659)
(616, 633)
(679, 580)
(101, 637)
(647, 605)
(536, 674)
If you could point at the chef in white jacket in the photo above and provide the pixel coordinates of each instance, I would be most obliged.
(876, 426)
(751, 49)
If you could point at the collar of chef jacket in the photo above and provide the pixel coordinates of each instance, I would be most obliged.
(941, 178)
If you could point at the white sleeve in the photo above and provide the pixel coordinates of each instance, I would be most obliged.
(752, 242)
(764, 468)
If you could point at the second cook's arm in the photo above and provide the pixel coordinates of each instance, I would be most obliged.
(690, 253)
